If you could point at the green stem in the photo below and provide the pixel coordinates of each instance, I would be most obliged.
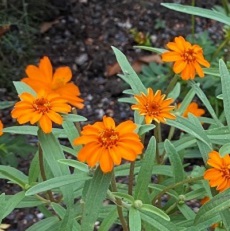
(119, 204)
(193, 23)
(220, 47)
(42, 169)
(77, 124)
(171, 208)
(158, 137)
(131, 178)
(171, 84)
(225, 5)
(188, 180)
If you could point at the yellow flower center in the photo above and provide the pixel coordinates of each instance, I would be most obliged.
(41, 105)
(152, 109)
(108, 138)
(189, 56)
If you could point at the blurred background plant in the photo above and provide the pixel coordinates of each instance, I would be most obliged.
(19, 20)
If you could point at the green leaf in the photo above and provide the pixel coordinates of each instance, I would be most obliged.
(12, 203)
(219, 135)
(162, 170)
(225, 218)
(13, 175)
(73, 118)
(125, 196)
(205, 223)
(159, 188)
(30, 201)
(145, 128)
(153, 49)
(34, 169)
(176, 163)
(205, 101)
(23, 87)
(186, 211)
(157, 222)
(109, 220)
(56, 183)
(72, 133)
(32, 130)
(186, 125)
(195, 194)
(174, 94)
(217, 204)
(225, 82)
(212, 71)
(130, 75)
(145, 173)
(6, 104)
(134, 220)
(52, 152)
(127, 100)
(76, 164)
(96, 193)
(211, 14)
(186, 101)
(44, 224)
(154, 210)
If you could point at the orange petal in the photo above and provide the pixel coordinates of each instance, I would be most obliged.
(45, 124)
(61, 76)
(106, 162)
(46, 68)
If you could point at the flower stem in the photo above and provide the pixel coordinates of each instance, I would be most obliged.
(193, 23)
(119, 204)
(158, 137)
(131, 176)
(171, 84)
(42, 169)
(188, 180)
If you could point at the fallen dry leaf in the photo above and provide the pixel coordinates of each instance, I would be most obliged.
(45, 26)
(136, 64)
(4, 29)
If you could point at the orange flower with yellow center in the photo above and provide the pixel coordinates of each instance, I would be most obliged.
(1, 127)
(106, 144)
(42, 77)
(219, 175)
(42, 109)
(187, 58)
(194, 109)
(154, 106)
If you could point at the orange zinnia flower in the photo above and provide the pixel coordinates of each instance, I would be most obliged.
(43, 108)
(187, 58)
(193, 108)
(42, 77)
(106, 144)
(1, 127)
(154, 106)
(219, 174)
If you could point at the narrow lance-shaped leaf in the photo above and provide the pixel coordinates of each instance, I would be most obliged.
(130, 75)
(176, 164)
(96, 193)
(211, 14)
(145, 173)
(134, 219)
(225, 82)
(13, 175)
(56, 183)
(217, 204)
(23, 87)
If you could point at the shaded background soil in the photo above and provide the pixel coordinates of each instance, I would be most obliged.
(79, 34)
